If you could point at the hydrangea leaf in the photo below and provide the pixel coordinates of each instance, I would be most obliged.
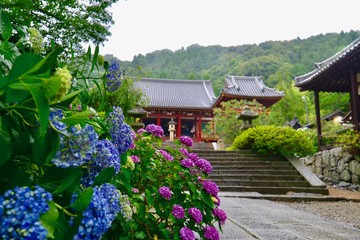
(49, 219)
(104, 176)
(77, 118)
(83, 200)
(58, 180)
(140, 235)
(67, 99)
(5, 26)
(45, 147)
(149, 197)
(5, 141)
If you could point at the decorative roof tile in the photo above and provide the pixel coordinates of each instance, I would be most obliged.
(249, 87)
(178, 93)
(328, 63)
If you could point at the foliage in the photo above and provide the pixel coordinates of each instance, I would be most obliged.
(167, 189)
(272, 139)
(227, 125)
(350, 142)
(64, 167)
(63, 22)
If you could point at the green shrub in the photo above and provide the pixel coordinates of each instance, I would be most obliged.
(277, 140)
(350, 142)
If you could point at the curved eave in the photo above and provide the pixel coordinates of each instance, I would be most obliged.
(267, 101)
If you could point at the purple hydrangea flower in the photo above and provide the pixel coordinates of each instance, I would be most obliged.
(188, 163)
(186, 234)
(166, 155)
(135, 158)
(184, 151)
(178, 211)
(204, 165)
(220, 214)
(155, 130)
(120, 132)
(100, 213)
(165, 192)
(195, 213)
(106, 155)
(20, 211)
(193, 156)
(113, 77)
(186, 141)
(211, 233)
(77, 148)
(210, 187)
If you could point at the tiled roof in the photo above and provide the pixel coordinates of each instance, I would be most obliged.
(323, 66)
(249, 87)
(169, 93)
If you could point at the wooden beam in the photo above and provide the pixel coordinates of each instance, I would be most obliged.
(318, 118)
(354, 98)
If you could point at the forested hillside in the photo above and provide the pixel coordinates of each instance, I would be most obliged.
(276, 61)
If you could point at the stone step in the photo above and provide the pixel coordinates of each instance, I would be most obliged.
(254, 177)
(244, 158)
(264, 183)
(241, 167)
(250, 164)
(257, 172)
(274, 190)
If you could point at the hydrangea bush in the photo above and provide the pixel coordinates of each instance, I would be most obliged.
(170, 194)
(68, 171)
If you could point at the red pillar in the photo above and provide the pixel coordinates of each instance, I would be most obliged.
(200, 128)
(158, 120)
(178, 129)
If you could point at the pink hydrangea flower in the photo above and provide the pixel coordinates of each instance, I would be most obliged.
(166, 155)
(135, 158)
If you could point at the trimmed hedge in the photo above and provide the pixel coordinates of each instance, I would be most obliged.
(277, 140)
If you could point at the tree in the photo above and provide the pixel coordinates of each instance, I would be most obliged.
(64, 22)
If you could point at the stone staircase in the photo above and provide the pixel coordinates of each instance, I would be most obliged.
(246, 171)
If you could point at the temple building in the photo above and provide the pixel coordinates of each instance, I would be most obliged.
(338, 73)
(190, 103)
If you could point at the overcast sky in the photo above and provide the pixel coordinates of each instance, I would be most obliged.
(143, 26)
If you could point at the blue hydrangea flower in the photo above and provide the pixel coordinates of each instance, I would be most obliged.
(20, 211)
(106, 155)
(77, 148)
(102, 210)
(113, 77)
(55, 116)
(120, 132)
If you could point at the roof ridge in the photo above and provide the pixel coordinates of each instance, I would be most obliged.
(175, 80)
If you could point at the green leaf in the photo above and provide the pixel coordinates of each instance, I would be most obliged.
(45, 147)
(5, 141)
(58, 180)
(83, 200)
(95, 58)
(22, 65)
(5, 26)
(41, 105)
(46, 63)
(67, 99)
(104, 176)
(77, 118)
(49, 220)
(149, 197)
(140, 235)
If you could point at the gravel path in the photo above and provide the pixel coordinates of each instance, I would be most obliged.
(344, 211)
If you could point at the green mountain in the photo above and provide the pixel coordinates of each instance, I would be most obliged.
(214, 62)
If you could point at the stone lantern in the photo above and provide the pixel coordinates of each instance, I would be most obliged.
(171, 125)
(137, 113)
(247, 115)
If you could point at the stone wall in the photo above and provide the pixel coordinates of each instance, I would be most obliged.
(334, 164)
